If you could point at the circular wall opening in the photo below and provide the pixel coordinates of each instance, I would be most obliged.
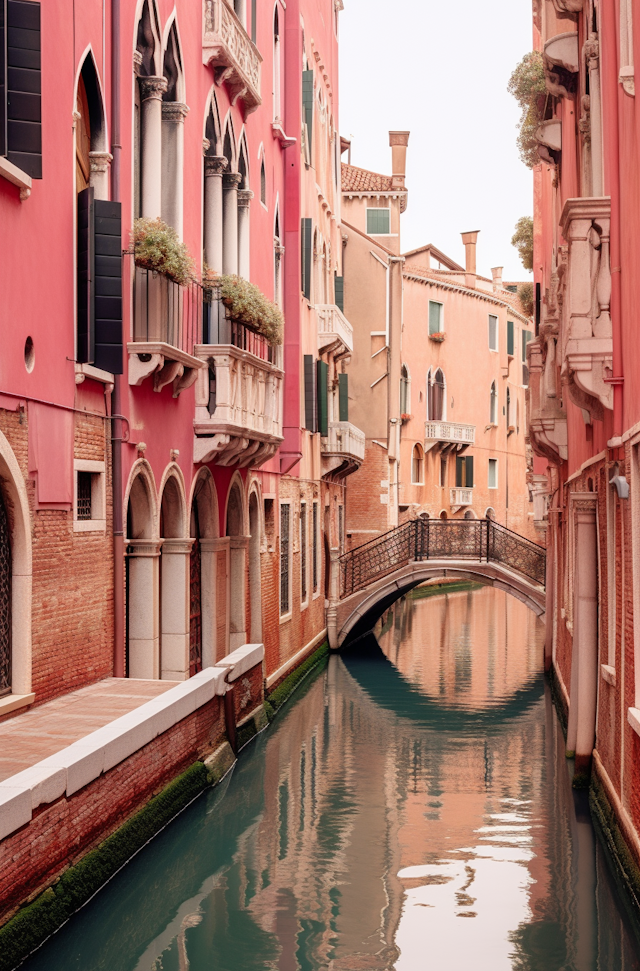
(29, 355)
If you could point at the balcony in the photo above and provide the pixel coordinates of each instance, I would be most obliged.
(230, 51)
(448, 436)
(333, 328)
(458, 498)
(561, 64)
(342, 450)
(547, 420)
(167, 324)
(549, 139)
(238, 417)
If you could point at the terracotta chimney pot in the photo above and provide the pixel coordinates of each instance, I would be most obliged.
(470, 240)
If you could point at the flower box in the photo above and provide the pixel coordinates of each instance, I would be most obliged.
(437, 337)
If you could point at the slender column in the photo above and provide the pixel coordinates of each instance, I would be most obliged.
(214, 166)
(173, 116)
(151, 91)
(208, 584)
(174, 648)
(230, 183)
(238, 618)
(244, 203)
(142, 609)
(592, 54)
(99, 178)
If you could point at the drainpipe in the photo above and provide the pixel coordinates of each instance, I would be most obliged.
(119, 668)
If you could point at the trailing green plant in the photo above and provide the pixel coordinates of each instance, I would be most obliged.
(527, 85)
(248, 305)
(157, 247)
(522, 239)
(525, 296)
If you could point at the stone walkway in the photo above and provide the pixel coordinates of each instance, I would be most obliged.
(43, 731)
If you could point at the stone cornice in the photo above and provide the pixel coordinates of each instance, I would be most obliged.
(457, 288)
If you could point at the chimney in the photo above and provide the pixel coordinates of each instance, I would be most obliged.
(470, 240)
(496, 273)
(398, 140)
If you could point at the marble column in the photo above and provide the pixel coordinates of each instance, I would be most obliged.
(174, 643)
(230, 183)
(151, 91)
(142, 608)
(239, 546)
(100, 163)
(173, 116)
(214, 166)
(244, 203)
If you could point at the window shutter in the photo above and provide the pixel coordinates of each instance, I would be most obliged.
(434, 317)
(459, 476)
(108, 286)
(493, 333)
(310, 415)
(85, 277)
(254, 32)
(343, 397)
(469, 470)
(24, 125)
(3, 77)
(339, 292)
(306, 256)
(510, 338)
(323, 397)
(307, 104)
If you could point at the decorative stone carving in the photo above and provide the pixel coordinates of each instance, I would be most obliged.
(229, 49)
(547, 420)
(174, 111)
(561, 64)
(215, 165)
(568, 7)
(167, 364)
(152, 88)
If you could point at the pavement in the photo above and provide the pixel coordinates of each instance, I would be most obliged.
(42, 731)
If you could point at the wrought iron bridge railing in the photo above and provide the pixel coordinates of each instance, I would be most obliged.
(434, 539)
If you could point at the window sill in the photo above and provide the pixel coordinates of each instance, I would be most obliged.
(84, 371)
(285, 618)
(633, 717)
(89, 525)
(14, 702)
(17, 177)
(608, 674)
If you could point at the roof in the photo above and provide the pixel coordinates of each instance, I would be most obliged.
(438, 255)
(355, 179)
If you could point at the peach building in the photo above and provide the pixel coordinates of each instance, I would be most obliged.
(438, 371)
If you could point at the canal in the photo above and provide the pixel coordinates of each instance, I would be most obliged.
(411, 810)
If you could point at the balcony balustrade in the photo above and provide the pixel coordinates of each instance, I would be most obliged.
(333, 328)
(449, 436)
(238, 417)
(229, 49)
(547, 420)
(459, 498)
(342, 450)
(167, 324)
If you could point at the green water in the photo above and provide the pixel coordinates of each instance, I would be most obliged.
(411, 810)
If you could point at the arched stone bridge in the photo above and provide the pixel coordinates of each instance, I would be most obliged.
(368, 579)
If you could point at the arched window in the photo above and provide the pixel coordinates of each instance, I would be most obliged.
(230, 184)
(174, 112)
(493, 407)
(417, 465)
(263, 183)
(490, 514)
(244, 202)
(147, 135)
(277, 81)
(436, 404)
(91, 169)
(405, 400)
(214, 167)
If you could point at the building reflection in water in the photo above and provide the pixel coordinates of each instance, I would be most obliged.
(411, 810)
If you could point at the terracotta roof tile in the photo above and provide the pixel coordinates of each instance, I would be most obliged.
(361, 180)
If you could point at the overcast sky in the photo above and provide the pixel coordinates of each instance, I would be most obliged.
(440, 70)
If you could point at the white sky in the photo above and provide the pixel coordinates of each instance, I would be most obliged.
(441, 69)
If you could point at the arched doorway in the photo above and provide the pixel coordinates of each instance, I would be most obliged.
(5, 601)
(142, 564)
(238, 543)
(174, 584)
(255, 586)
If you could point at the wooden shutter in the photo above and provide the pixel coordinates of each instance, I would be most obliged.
(343, 397)
(3, 77)
(339, 292)
(24, 121)
(306, 255)
(307, 105)
(323, 397)
(459, 472)
(310, 415)
(510, 338)
(85, 277)
(108, 286)
(469, 472)
(434, 317)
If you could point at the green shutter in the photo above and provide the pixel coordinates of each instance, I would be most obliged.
(309, 394)
(306, 231)
(343, 396)
(339, 292)
(510, 338)
(378, 222)
(323, 397)
(307, 104)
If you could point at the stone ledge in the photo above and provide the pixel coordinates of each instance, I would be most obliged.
(13, 702)
(608, 674)
(241, 660)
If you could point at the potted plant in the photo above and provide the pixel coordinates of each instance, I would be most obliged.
(247, 305)
(438, 337)
(527, 85)
(156, 247)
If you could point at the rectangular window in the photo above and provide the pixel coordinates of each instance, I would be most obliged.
(378, 222)
(323, 397)
(493, 333)
(84, 496)
(464, 472)
(339, 292)
(435, 317)
(20, 94)
(303, 551)
(285, 553)
(341, 528)
(89, 506)
(314, 547)
(526, 337)
(511, 339)
(443, 473)
(493, 473)
(307, 108)
(306, 256)
(343, 397)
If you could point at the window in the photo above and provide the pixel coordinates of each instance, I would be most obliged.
(526, 337)
(378, 221)
(509, 421)
(490, 513)
(278, 253)
(310, 396)
(83, 496)
(417, 465)
(338, 290)
(341, 528)
(511, 339)
(269, 523)
(405, 402)
(285, 553)
(436, 325)
(493, 407)
(89, 507)
(20, 124)
(322, 397)
(306, 255)
(493, 477)
(314, 547)
(343, 397)
(626, 75)
(464, 472)
(443, 472)
(263, 184)
(277, 82)
(493, 333)
(307, 113)
(303, 551)
(436, 396)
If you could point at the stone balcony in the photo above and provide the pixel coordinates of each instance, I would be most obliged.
(342, 450)
(448, 436)
(227, 47)
(458, 498)
(334, 330)
(547, 420)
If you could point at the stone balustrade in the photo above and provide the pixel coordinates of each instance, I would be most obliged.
(459, 498)
(449, 435)
(227, 47)
(342, 449)
(333, 327)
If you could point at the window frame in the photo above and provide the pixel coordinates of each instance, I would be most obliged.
(285, 614)
(377, 209)
(303, 526)
(493, 400)
(492, 462)
(496, 349)
(420, 481)
(436, 303)
(98, 521)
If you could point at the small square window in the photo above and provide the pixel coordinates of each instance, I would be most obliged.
(89, 508)
(378, 222)
(84, 496)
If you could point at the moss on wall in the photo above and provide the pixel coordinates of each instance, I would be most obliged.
(625, 864)
(281, 694)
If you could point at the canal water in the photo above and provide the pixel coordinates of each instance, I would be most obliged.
(411, 810)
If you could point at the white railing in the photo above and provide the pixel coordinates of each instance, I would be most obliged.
(450, 432)
(460, 497)
(333, 326)
(344, 439)
(225, 43)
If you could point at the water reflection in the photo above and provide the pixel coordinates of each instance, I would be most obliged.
(412, 810)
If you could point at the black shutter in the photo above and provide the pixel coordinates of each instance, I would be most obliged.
(310, 415)
(307, 105)
(339, 291)
(469, 476)
(537, 309)
(343, 397)
(459, 476)
(3, 77)
(85, 276)
(323, 398)
(24, 121)
(510, 338)
(108, 286)
(306, 255)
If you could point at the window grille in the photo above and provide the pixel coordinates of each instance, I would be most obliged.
(314, 542)
(84, 495)
(285, 545)
(303, 551)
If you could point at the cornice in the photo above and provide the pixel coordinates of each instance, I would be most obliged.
(479, 294)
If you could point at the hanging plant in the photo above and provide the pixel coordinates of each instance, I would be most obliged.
(527, 85)
(156, 247)
(525, 296)
(247, 305)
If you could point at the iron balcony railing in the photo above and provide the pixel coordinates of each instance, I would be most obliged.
(165, 311)
(220, 328)
(435, 539)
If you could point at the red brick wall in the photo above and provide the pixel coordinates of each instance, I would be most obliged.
(365, 511)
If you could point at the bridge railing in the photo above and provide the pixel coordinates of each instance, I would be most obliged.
(481, 540)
